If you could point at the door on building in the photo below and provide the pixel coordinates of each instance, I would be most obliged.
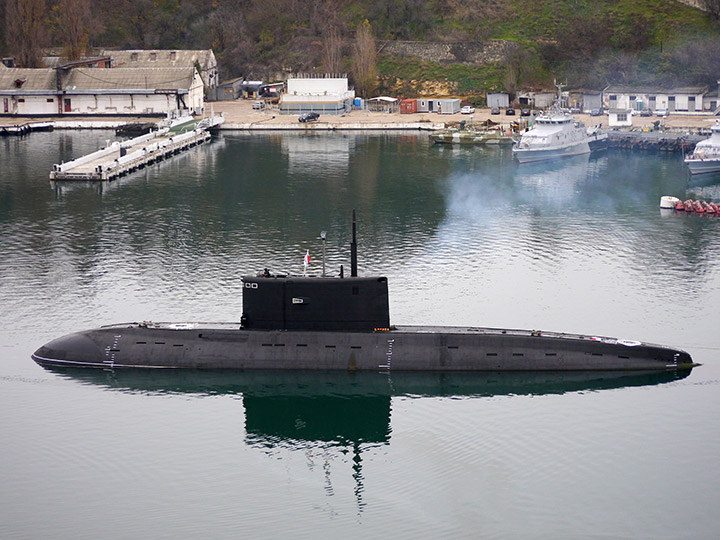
(671, 103)
(68, 106)
(6, 105)
(691, 104)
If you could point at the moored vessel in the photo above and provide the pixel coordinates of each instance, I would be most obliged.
(705, 158)
(553, 136)
(470, 135)
(342, 323)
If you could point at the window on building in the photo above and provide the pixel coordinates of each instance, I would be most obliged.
(173, 54)
(134, 56)
(50, 100)
(622, 117)
(21, 100)
(153, 56)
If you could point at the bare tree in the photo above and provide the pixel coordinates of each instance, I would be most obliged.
(72, 21)
(333, 51)
(365, 56)
(712, 7)
(26, 30)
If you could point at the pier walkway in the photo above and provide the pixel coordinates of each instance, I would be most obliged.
(120, 158)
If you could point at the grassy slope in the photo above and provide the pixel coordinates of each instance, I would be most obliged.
(579, 31)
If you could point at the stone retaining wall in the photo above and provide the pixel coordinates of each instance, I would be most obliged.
(466, 52)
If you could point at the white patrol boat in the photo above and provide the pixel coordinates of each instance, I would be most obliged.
(706, 156)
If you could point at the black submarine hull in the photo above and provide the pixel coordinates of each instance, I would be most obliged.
(402, 348)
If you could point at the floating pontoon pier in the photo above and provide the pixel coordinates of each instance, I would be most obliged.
(27, 127)
(120, 158)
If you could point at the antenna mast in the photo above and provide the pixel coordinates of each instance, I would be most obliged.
(353, 250)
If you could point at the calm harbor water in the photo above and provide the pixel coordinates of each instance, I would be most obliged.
(466, 237)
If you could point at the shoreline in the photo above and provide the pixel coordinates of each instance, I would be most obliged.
(240, 116)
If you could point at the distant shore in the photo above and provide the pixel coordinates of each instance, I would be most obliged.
(240, 115)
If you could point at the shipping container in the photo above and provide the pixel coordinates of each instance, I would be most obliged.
(408, 106)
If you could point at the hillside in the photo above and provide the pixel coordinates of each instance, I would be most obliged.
(584, 42)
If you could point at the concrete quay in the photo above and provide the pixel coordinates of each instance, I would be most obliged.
(239, 115)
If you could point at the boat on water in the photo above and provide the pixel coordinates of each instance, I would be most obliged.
(469, 135)
(342, 322)
(705, 158)
(554, 135)
(557, 134)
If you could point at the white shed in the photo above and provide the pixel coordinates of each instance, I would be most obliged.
(620, 117)
(448, 106)
(498, 99)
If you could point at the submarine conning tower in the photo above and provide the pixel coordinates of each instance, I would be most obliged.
(335, 304)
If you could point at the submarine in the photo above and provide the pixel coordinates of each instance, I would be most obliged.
(292, 322)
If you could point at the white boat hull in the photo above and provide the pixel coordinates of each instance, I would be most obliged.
(698, 166)
(528, 155)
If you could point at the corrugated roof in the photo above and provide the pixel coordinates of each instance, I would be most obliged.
(161, 58)
(129, 78)
(30, 79)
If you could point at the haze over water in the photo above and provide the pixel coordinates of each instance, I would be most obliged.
(466, 237)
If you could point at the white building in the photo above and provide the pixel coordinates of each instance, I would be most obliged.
(324, 95)
(711, 100)
(25, 91)
(637, 98)
(620, 117)
(93, 91)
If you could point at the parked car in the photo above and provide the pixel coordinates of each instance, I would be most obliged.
(308, 117)
(646, 112)
(596, 112)
(662, 113)
(495, 110)
(510, 111)
(258, 105)
(524, 112)
(467, 109)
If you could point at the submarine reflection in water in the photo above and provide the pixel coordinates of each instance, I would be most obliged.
(323, 412)
(340, 407)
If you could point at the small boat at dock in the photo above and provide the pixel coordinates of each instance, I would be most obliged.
(472, 135)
